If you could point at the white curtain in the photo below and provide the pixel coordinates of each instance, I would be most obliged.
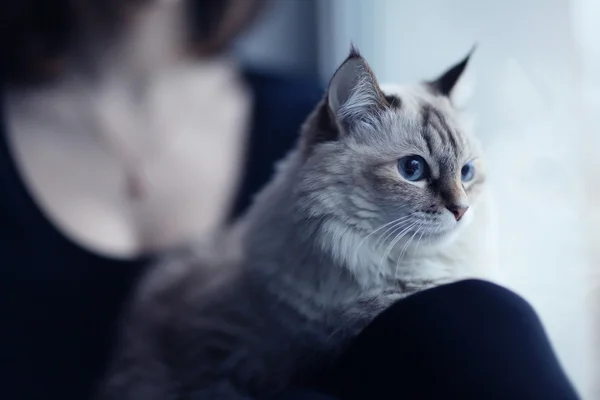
(536, 99)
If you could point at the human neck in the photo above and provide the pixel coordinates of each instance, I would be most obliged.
(152, 39)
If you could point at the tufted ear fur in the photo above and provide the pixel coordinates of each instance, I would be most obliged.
(447, 83)
(353, 92)
(353, 95)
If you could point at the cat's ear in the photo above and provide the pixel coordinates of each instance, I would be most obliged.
(447, 83)
(353, 91)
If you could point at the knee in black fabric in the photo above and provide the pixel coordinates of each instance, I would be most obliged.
(467, 340)
(300, 394)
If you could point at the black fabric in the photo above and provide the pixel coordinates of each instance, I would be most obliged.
(59, 303)
(467, 340)
(280, 107)
(301, 394)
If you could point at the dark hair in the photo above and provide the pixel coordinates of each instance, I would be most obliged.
(36, 34)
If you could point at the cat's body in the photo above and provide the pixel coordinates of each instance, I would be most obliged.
(334, 239)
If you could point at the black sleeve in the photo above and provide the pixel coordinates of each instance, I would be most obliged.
(468, 340)
(281, 104)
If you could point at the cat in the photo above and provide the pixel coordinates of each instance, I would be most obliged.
(378, 200)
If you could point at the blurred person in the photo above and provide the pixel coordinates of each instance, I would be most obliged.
(126, 131)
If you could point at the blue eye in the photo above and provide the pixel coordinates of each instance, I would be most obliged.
(413, 168)
(467, 172)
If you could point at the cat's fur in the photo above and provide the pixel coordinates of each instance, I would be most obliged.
(317, 256)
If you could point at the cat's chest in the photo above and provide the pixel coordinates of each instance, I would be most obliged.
(471, 254)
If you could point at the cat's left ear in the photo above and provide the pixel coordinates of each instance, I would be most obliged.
(353, 92)
(447, 83)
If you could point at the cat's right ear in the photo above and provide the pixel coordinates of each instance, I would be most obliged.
(353, 92)
(447, 83)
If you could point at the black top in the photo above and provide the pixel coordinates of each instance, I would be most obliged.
(59, 302)
(469, 340)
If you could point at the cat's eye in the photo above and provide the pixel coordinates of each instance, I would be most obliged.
(413, 168)
(467, 172)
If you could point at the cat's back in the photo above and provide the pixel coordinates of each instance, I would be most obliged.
(200, 307)
(179, 292)
(186, 277)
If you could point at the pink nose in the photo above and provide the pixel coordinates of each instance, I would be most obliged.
(458, 210)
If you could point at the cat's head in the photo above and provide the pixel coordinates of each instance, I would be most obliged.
(394, 159)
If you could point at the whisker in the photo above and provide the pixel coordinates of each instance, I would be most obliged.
(401, 255)
(405, 248)
(394, 222)
(397, 237)
(384, 238)
(390, 231)
(394, 241)
(419, 241)
(380, 228)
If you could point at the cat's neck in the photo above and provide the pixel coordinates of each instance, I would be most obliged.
(284, 246)
(405, 266)
(283, 243)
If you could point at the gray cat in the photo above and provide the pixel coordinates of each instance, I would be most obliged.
(378, 200)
